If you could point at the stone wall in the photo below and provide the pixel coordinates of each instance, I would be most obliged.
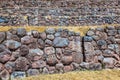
(25, 53)
(59, 12)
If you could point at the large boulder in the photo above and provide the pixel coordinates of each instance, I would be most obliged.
(60, 42)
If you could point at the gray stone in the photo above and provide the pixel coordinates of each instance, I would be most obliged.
(50, 31)
(45, 71)
(18, 75)
(60, 42)
(10, 66)
(32, 72)
(101, 42)
(51, 37)
(21, 32)
(84, 65)
(112, 32)
(76, 65)
(2, 36)
(27, 40)
(88, 46)
(77, 57)
(49, 50)
(88, 38)
(95, 66)
(36, 51)
(11, 44)
(59, 66)
(38, 64)
(113, 46)
(109, 62)
(41, 43)
(90, 33)
(57, 34)
(5, 56)
(48, 42)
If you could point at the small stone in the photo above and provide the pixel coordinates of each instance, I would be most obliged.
(27, 40)
(71, 33)
(67, 60)
(60, 42)
(15, 37)
(41, 43)
(112, 32)
(11, 44)
(95, 66)
(108, 53)
(109, 62)
(5, 56)
(10, 66)
(89, 56)
(51, 37)
(36, 51)
(90, 33)
(45, 70)
(57, 34)
(59, 66)
(18, 75)
(32, 72)
(2, 36)
(4, 75)
(48, 42)
(52, 69)
(77, 57)
(14, 56)
(49, 50)
(110, 27)
(21, 64)
(1, 67)
(88, 46)
(21, 32)
(101, 42)
(24, 50)
(84, 65)
(35, 34)
(113, 46)
(68, 68)
(43, 35)
(38, 64)
(59, 53)
(51, 60)
(88, 38)
(13, 31)
(76, 65)
(50, 31)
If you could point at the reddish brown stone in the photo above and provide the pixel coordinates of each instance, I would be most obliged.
(67, 60)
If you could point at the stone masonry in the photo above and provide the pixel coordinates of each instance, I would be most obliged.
(59, 50)
(59, 12)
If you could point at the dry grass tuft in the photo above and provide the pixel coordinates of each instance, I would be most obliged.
(80, 75)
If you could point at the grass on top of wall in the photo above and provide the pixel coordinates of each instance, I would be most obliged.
(81, 29)
(80, 75)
